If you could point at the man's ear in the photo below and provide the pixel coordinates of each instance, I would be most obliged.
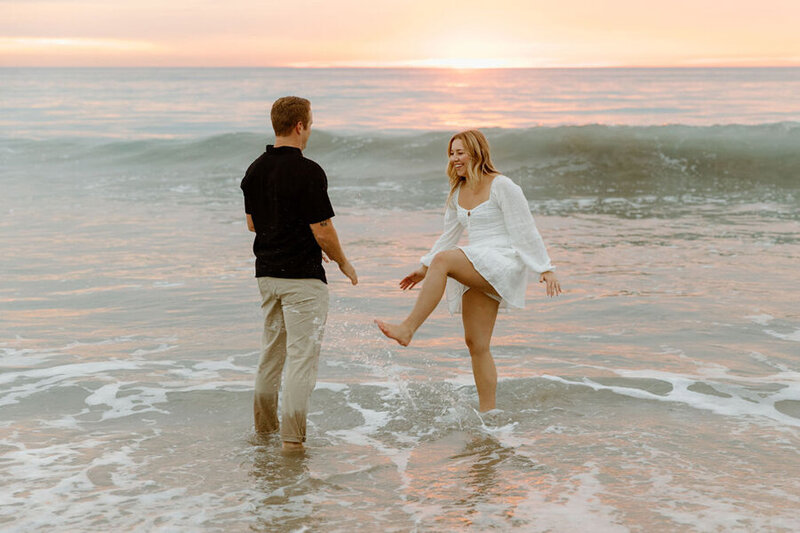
(298, 128)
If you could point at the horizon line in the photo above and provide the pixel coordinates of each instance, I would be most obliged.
(418, 67)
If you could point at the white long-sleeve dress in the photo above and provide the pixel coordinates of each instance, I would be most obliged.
(503, 243)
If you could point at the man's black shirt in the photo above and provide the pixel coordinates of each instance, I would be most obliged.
(283, 193)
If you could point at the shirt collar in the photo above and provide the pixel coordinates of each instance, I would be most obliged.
(283, 150)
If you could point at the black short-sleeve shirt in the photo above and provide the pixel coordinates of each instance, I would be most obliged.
(283, 193)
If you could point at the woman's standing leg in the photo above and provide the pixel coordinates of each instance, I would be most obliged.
(452, 263)
(479, 313)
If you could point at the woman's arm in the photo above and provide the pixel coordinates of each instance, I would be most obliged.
(449, 238)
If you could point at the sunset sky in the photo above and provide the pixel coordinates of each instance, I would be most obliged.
(467, 33)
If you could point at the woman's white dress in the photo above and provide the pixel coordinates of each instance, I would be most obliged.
(503, 243)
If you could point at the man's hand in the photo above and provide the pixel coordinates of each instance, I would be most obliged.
(348, 270)
(328, 240)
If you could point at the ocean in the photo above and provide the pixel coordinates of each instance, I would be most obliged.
(660, 392)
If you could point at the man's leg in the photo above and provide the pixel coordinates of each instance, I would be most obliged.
(270, 366)
(305, 309)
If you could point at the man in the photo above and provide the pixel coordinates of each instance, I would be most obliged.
(287, 206)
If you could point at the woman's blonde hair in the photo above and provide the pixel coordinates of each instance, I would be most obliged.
(480, 163)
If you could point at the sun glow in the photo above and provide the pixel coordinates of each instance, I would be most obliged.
(464, 63)
(424, 34)
(461, 63)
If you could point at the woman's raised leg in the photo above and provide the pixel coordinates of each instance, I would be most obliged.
(452, 263)
(479, 313)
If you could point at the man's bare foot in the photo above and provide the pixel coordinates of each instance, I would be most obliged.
(292, 447)
(400, 333)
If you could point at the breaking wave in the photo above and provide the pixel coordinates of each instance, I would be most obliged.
(568, 165)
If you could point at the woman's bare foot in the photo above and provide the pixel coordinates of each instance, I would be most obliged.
(402, 334)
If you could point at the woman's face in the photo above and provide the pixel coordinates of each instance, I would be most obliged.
(459, 157)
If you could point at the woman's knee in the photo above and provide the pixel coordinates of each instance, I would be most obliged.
(440, 260)
(477, 347)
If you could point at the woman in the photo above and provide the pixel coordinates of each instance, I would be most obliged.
(491, 271)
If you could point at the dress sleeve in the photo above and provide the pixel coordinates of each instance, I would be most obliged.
(452, 232)
(521, 227)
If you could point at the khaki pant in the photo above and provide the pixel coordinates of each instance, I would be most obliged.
(295, 311)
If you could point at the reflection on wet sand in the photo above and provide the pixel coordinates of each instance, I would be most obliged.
(454, 481)
(284, 484)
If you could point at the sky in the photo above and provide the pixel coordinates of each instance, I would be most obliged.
(381, 33)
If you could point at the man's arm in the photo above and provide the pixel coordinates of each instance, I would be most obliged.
(250, 225)
(327, 238)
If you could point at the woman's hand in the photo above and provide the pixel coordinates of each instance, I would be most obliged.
(415, 277)
(553, 287)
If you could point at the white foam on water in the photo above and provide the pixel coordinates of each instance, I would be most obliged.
(373, 420)
(26, 383)
(184, 189)
(795, 336)
(761, 320)
(397, 456)
(158, 349)
(742, 403)
(122, 397)
(714, 512)
(765, 319)
(226, 364)
(768, 361)
(45, 378)
(134, 502)
(228, 386)
(102, 342)
(127, 405)
(503, 433)
(464, 380)
(25, 357)
(65, 422)
(334, 387)
(366, 434)
(56, 487)
(71, 370)
(51, 480)
(167, 284)
(578, 508)
(31, 464)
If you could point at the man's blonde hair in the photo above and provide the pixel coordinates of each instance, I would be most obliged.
(287, 112)
(480, 163)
